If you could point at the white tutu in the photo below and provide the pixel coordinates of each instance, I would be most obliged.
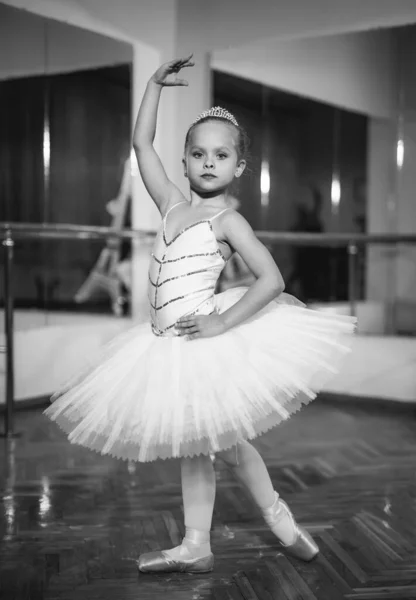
(149, 397)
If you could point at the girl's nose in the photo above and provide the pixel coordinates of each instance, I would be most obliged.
(209, 163)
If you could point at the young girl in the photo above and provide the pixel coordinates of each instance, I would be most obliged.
(209, 372)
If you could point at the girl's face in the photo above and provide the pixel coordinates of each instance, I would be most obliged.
(211, 159)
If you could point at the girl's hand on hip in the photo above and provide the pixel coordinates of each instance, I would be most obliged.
(201, 326)
(167, 74)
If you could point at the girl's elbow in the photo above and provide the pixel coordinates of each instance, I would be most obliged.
(278, 284)
(141, 145)
(138, 146)
(280, 288)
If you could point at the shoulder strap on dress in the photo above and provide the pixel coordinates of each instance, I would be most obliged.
(174, 206)
(220, 213)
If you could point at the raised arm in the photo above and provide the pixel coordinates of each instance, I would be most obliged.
(160, 188)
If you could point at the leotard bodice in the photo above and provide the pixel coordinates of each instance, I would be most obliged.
(183, 274)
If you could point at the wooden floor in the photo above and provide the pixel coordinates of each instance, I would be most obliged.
(72, 523)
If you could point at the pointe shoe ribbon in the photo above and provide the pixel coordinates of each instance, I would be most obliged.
(160, 562)
(303, 545)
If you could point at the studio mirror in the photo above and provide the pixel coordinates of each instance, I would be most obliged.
(331, 121)
(65, 128)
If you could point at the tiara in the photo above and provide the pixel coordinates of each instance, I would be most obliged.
(217, 112)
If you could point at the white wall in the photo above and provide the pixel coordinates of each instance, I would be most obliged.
(150, 22)
(220, 24)
(353, 71)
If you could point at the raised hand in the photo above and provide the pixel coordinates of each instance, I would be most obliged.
(167, 74)
(201, 326)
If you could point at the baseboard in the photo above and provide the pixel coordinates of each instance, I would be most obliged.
(364, 402)
(28, 404)
(367, 402)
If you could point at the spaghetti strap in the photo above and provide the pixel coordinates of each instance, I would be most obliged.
(174, 206)
(220, 213)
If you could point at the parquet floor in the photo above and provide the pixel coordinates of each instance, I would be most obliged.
(72, 523)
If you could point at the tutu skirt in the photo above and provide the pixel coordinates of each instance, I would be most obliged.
(148, 397)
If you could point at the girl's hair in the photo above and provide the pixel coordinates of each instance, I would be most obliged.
(243, 142)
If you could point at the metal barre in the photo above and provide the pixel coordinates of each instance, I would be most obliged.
(31, 231)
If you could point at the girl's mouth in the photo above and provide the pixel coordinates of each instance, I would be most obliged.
(209, 176)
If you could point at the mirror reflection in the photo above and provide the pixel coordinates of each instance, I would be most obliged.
(305, 154)
(65, 144)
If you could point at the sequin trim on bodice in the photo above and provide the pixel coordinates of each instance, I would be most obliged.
(183, 274)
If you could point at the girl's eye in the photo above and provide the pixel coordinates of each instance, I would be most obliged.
(196, 154)
(222, 156)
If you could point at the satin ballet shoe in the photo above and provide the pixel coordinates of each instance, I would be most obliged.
(303, 546)
(160, 562)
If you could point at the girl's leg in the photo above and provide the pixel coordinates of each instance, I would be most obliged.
(198, 492)
(248, 466)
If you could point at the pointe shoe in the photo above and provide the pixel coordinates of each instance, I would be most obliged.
(303, 546)
(161, 562)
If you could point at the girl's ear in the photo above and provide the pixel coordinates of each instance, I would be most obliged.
(184, 167)
(240, 168)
